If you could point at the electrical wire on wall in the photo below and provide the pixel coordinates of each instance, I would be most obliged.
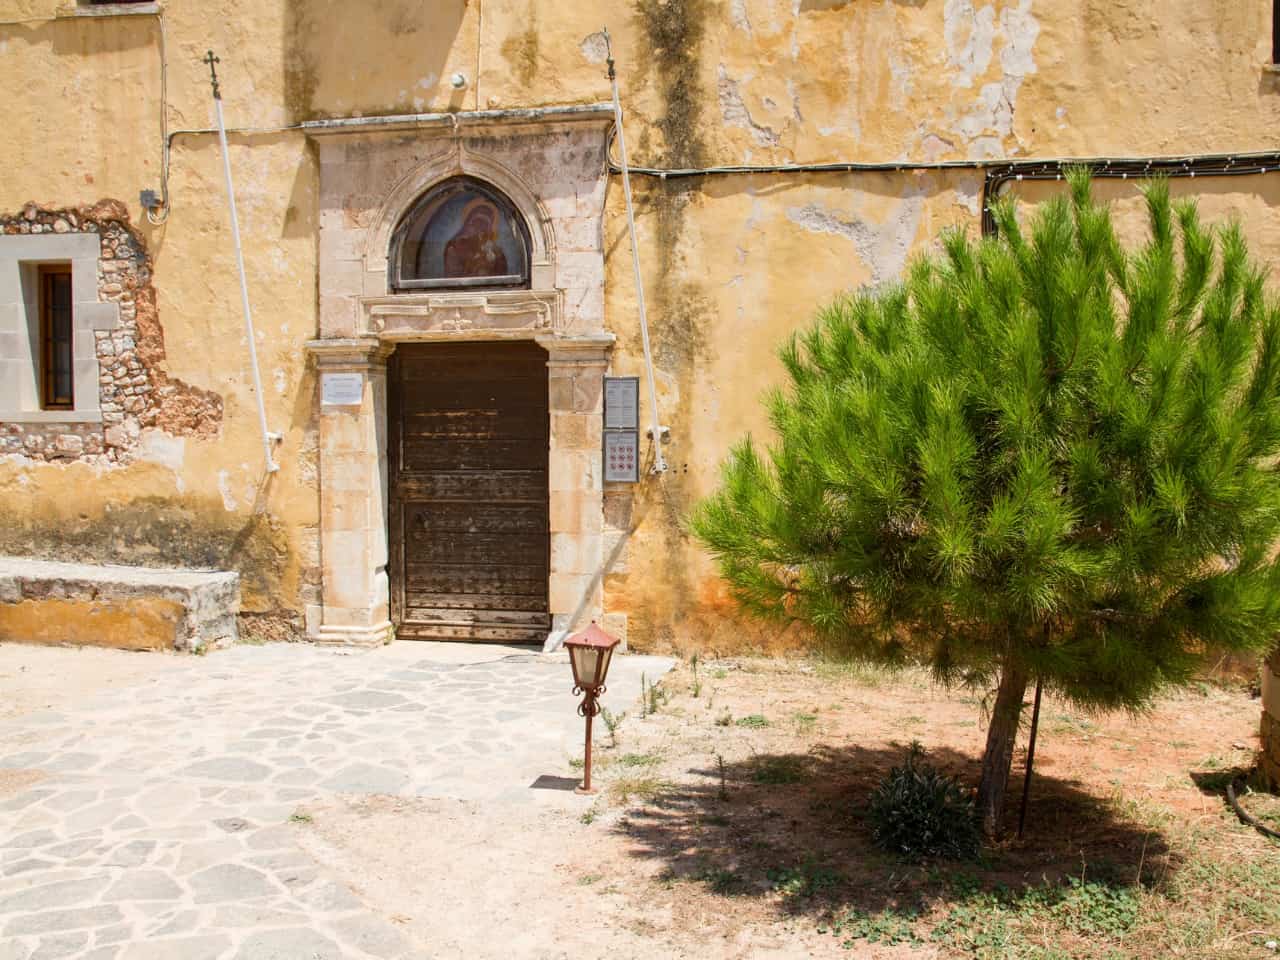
(999, 173)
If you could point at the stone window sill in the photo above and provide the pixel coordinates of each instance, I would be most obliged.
(50, 416)
(113, 10)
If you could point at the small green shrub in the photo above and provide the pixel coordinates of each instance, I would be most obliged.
(755, 720)
(918, 812)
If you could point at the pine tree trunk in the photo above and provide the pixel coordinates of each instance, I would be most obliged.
(998, 757)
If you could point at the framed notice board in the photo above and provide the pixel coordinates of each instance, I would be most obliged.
(621, 429)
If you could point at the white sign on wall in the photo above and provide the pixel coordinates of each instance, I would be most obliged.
(622, 403)
(341, 389)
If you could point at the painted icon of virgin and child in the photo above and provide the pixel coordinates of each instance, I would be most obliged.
(474, 249)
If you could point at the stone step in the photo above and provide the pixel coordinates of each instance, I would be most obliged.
(133, 608)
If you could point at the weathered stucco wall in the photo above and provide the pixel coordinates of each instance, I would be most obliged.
(732, 264)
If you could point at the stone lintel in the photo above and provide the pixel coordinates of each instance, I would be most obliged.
(601, 114)
(585, 349)
(474, 315)
(349, 353)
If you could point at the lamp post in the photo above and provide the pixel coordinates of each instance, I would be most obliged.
(589, 654)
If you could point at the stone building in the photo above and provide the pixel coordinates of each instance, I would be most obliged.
(439, 267)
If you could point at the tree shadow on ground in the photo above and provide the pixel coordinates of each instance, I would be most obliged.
(793, 828)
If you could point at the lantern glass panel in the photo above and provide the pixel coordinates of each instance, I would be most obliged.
(586, 659)
(604, 664)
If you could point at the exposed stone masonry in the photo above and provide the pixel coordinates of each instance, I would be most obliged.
(135, 392)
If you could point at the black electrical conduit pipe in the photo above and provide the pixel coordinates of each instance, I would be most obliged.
(1243, 814)
(998, 173)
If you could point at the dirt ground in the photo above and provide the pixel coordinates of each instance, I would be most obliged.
(39, 677)
(731, 824)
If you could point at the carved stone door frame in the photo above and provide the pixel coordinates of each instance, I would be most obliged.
(552, 165)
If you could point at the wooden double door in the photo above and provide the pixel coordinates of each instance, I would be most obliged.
(469, 539)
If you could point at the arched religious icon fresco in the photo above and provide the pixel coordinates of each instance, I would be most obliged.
(461, 233)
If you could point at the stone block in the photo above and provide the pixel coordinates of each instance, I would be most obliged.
(575, 431)
(578, 234)
(575, 470)
(128, 607)
(337, 316)
(576, 552)
(570, 592)
(560, 391)
(588, 393)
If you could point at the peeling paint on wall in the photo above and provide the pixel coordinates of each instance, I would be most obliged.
(734, 112)
(884, 247)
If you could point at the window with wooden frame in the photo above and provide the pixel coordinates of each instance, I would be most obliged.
(57, 359)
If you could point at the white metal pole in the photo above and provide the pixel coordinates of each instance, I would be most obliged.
(659, 462)
(272, 466)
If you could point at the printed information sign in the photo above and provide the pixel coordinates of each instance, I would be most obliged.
(622, 403)
(341, 389)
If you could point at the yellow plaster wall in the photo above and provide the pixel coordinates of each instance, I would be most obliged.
(732, 264)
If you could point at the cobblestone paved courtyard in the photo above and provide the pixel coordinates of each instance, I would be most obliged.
(153, 822)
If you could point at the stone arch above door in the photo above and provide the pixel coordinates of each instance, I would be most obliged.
(455, 161)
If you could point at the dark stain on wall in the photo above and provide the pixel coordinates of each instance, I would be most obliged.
(193, 533)
(521, 49)
(673, 33)
(325, 41)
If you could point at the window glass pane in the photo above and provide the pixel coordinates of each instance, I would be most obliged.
(60, 291)
(58, 334)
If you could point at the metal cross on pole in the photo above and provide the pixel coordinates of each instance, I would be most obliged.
(267, 436)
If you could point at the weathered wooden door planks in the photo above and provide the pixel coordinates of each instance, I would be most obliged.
(469, 526)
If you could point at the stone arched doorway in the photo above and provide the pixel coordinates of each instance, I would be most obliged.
(550, 165)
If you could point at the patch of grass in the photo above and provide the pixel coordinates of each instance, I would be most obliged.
(640, 787)
(725, 719)
(779, 769)
(806, 880)
(888, 927)
(724, 882)
(1071, 723)
(612, 721)
(652, 697)
(588, 879)
(1153, 816)
(755, 720)
(861, 674)
(639, 759)
(589, 815)
(576, 763)
(804, 722)
(300, 818)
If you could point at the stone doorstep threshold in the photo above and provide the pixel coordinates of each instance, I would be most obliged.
(147, 608)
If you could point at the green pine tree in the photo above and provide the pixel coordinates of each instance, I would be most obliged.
(1041, 457)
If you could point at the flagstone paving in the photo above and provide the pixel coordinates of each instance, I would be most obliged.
(160, 826)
